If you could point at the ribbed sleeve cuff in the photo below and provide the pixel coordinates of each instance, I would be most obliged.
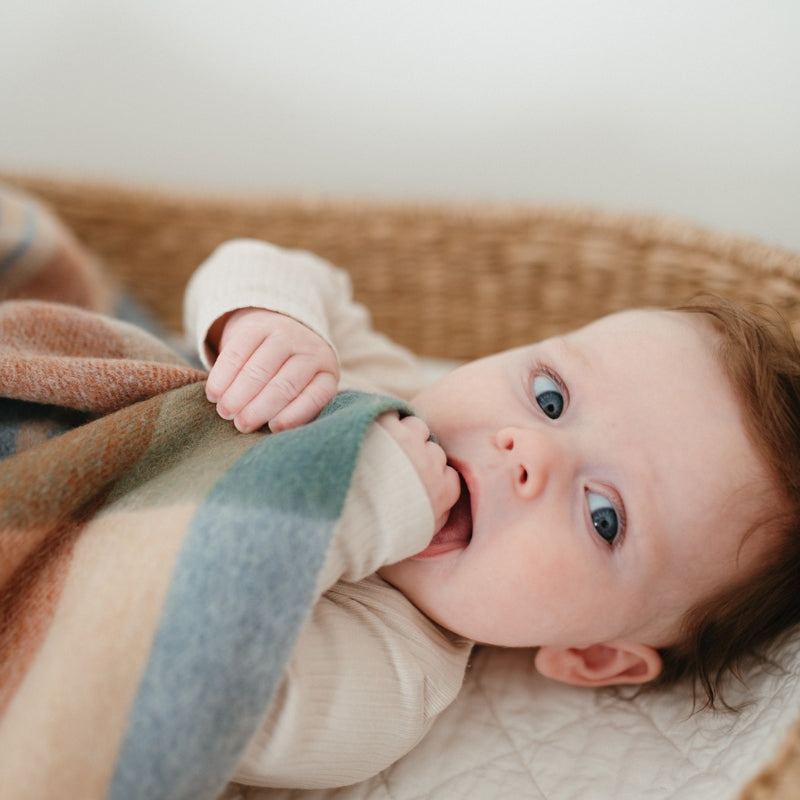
(387, 515)
(249, 273)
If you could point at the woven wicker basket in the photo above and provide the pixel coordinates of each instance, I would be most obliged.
(455, 282)
(449, 281)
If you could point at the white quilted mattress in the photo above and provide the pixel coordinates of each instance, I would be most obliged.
(512, 734)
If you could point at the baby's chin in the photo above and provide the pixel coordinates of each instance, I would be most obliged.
(456, 533)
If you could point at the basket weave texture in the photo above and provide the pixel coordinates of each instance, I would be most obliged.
(445, 280)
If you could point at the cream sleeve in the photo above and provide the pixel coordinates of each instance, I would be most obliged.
(367, 680)
(250, 273)
(386, 517)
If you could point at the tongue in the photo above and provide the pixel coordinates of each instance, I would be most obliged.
(456, 532)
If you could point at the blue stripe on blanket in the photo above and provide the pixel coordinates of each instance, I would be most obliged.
(241, 589)
(41, 421)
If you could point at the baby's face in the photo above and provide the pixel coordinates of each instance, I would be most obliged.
(608, 482)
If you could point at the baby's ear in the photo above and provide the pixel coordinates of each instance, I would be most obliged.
(609, 664)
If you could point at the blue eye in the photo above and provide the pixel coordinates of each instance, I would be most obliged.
(604, 516)
(549, 396)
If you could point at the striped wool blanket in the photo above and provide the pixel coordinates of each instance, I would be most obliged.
(155, 564)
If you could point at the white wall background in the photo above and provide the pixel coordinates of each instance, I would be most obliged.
(687, 107)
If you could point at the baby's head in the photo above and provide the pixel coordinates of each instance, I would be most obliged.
(631, 496)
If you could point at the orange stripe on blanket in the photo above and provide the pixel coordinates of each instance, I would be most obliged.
(54, 354)
(46, 494)
(28, 603)
(48, 486)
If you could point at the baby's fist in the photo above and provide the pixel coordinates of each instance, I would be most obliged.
(440, 480)
(271, 369)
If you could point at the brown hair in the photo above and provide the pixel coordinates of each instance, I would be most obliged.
(760, 356)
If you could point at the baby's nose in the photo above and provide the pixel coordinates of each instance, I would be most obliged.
(526, 458)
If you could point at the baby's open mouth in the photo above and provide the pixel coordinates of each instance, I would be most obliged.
(456, 533)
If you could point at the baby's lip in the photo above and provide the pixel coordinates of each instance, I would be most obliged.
(456, 533)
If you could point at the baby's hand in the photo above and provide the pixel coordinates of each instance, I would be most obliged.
(270, 369)
(430, 461)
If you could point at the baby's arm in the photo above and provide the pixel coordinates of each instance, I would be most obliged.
(246, 273)
(271, 369)
(368, 677)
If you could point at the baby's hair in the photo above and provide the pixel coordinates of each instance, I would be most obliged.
(761, 358)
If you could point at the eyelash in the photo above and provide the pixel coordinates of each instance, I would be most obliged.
(615, 501)
(548, 372)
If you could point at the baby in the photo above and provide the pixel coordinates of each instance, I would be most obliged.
(623, 498)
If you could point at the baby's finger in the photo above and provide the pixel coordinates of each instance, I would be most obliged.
(229, 363)
(410, 431)
(452, 487)
(446, 497)
(286, 385)
(305, 407)
(390, 421)
(256, 373)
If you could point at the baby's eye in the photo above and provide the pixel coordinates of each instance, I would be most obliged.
(548, 395)
(604, 516)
